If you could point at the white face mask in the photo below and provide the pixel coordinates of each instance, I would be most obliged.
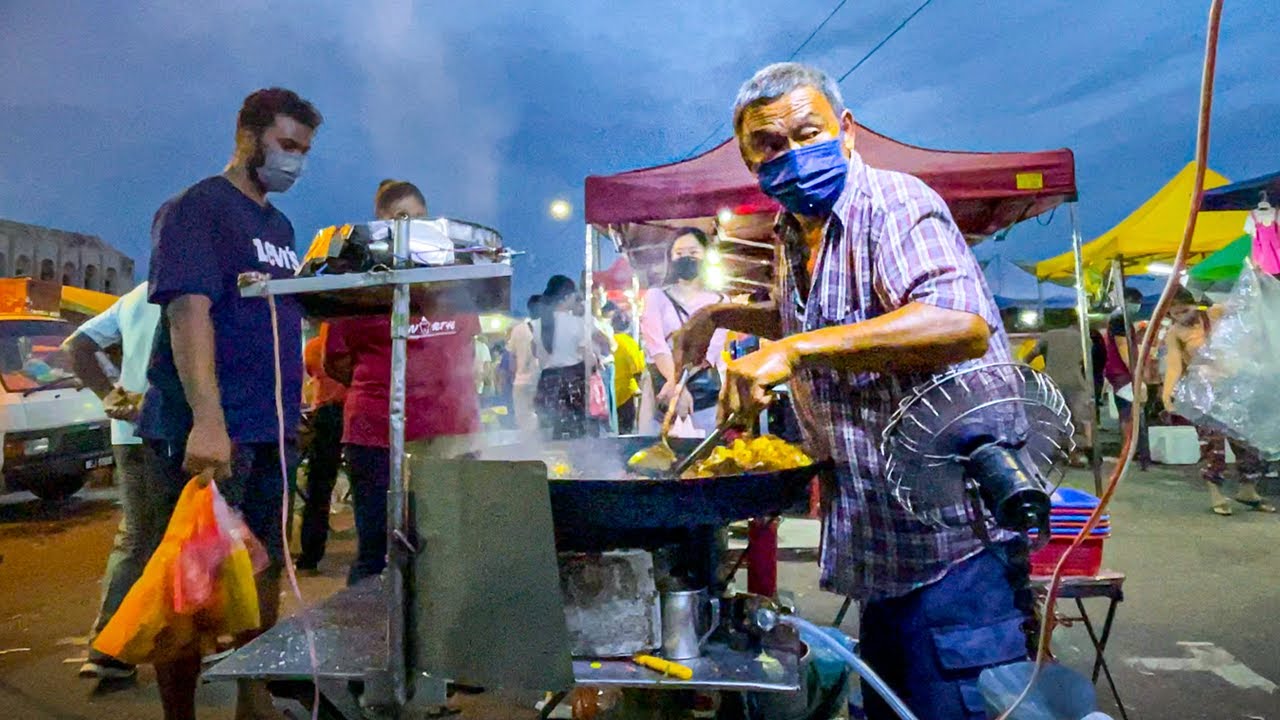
(280, 169)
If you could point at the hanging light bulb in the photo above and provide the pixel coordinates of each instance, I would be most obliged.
(715, 277)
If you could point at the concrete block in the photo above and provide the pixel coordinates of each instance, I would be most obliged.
(610, 603)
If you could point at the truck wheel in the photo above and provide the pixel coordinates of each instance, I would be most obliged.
(57, 489)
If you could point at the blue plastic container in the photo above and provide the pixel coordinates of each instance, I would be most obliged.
(1073, 499)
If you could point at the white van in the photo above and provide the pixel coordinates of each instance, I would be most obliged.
(54, 431)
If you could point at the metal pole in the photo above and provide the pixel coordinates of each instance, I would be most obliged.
(397, 492)
(1086, 348)
(588, 314)
(1138, 408)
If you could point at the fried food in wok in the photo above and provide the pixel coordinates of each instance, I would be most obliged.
(766, 453)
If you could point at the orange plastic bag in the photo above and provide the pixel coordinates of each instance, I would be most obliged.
(197, 586)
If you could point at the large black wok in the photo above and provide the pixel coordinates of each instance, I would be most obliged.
(601, 506)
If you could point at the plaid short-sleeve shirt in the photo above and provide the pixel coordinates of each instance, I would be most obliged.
(890, 242)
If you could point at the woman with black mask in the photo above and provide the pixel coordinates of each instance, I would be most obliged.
(666, 309)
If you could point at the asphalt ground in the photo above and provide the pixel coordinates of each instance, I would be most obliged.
(1192, 577)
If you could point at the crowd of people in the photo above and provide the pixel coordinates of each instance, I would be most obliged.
(194, 396)
(1151, 388)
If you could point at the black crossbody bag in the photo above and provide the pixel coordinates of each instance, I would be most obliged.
(704, 385)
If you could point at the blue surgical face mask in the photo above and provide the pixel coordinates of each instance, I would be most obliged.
(807, 180)
(280, 169)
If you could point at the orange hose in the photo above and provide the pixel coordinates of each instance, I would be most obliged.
(1129, 446)
(290, 570)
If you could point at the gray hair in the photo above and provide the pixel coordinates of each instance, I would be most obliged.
(774, 81)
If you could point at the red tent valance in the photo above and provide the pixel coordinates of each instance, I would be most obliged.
(986, 191)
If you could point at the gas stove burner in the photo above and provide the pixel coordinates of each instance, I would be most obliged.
(981, 445)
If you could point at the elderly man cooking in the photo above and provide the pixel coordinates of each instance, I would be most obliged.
(876, 289)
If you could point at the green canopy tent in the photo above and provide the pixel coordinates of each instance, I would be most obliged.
(1224, 265)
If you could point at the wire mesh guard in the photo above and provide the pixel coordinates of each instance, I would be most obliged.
(935, 429)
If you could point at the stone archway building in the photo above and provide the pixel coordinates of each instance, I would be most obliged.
(68, 257)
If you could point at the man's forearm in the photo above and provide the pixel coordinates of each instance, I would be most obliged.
(913, 339)
(194, 353)
(760, 319)
(84, 363)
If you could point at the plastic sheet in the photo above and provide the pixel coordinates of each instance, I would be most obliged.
(1232, 382)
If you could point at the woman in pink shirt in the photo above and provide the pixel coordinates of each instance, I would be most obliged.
(442, 409)
(666, 309)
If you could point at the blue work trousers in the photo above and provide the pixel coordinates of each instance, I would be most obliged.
(931, 644)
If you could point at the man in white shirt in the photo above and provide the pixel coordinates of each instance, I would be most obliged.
(130, 323)
(524, 385)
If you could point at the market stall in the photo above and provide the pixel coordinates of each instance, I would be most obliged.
(1013, 287)
(1149, 235)
(1224, 265)
(637, 211)
(558, 537)
(1243, 195)
(1260, 241)
(714, 191)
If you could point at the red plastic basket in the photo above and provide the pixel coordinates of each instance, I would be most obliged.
(1086, 560)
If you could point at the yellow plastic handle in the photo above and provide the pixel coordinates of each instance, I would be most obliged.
(666, 667)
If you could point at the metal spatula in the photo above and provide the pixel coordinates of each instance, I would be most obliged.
(658, 458)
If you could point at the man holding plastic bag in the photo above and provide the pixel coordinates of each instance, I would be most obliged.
(1205, 399)
(211, 410)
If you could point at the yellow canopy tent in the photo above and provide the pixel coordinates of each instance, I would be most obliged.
(79, 304)
(1152, 232)
(86, 302)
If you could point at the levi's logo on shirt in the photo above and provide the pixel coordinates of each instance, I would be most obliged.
(425, 328)
(275, 255)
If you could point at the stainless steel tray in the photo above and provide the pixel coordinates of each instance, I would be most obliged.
(483, 287)
(351, 641)
(350, 630)
(719, 668)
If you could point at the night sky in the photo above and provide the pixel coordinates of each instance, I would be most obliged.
(495, 109)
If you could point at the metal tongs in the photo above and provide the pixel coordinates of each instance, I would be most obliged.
(707, 445)
(659, 459)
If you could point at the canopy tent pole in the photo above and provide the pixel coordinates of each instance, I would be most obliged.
(1086, 348)
(397, 487)
(588, 315)
(591, 259)
(1138, 410)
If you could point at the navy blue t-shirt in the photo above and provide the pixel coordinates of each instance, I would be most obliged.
(201, 241)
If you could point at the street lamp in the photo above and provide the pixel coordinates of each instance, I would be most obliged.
(560, 209)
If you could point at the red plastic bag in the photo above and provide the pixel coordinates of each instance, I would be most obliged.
(597, 401)
(218, 531)
(198, 586)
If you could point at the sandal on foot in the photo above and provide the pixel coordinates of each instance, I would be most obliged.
(1222, 508)
(1258, 505)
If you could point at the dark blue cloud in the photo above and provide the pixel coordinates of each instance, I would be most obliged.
(495, 109)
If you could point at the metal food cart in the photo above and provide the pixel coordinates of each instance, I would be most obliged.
(472, 570)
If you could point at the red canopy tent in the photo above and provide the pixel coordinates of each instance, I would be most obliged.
(986, 191)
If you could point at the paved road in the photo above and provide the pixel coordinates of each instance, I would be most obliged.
(1192, 577)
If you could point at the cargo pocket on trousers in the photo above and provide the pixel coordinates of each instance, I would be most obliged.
(964, 652)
